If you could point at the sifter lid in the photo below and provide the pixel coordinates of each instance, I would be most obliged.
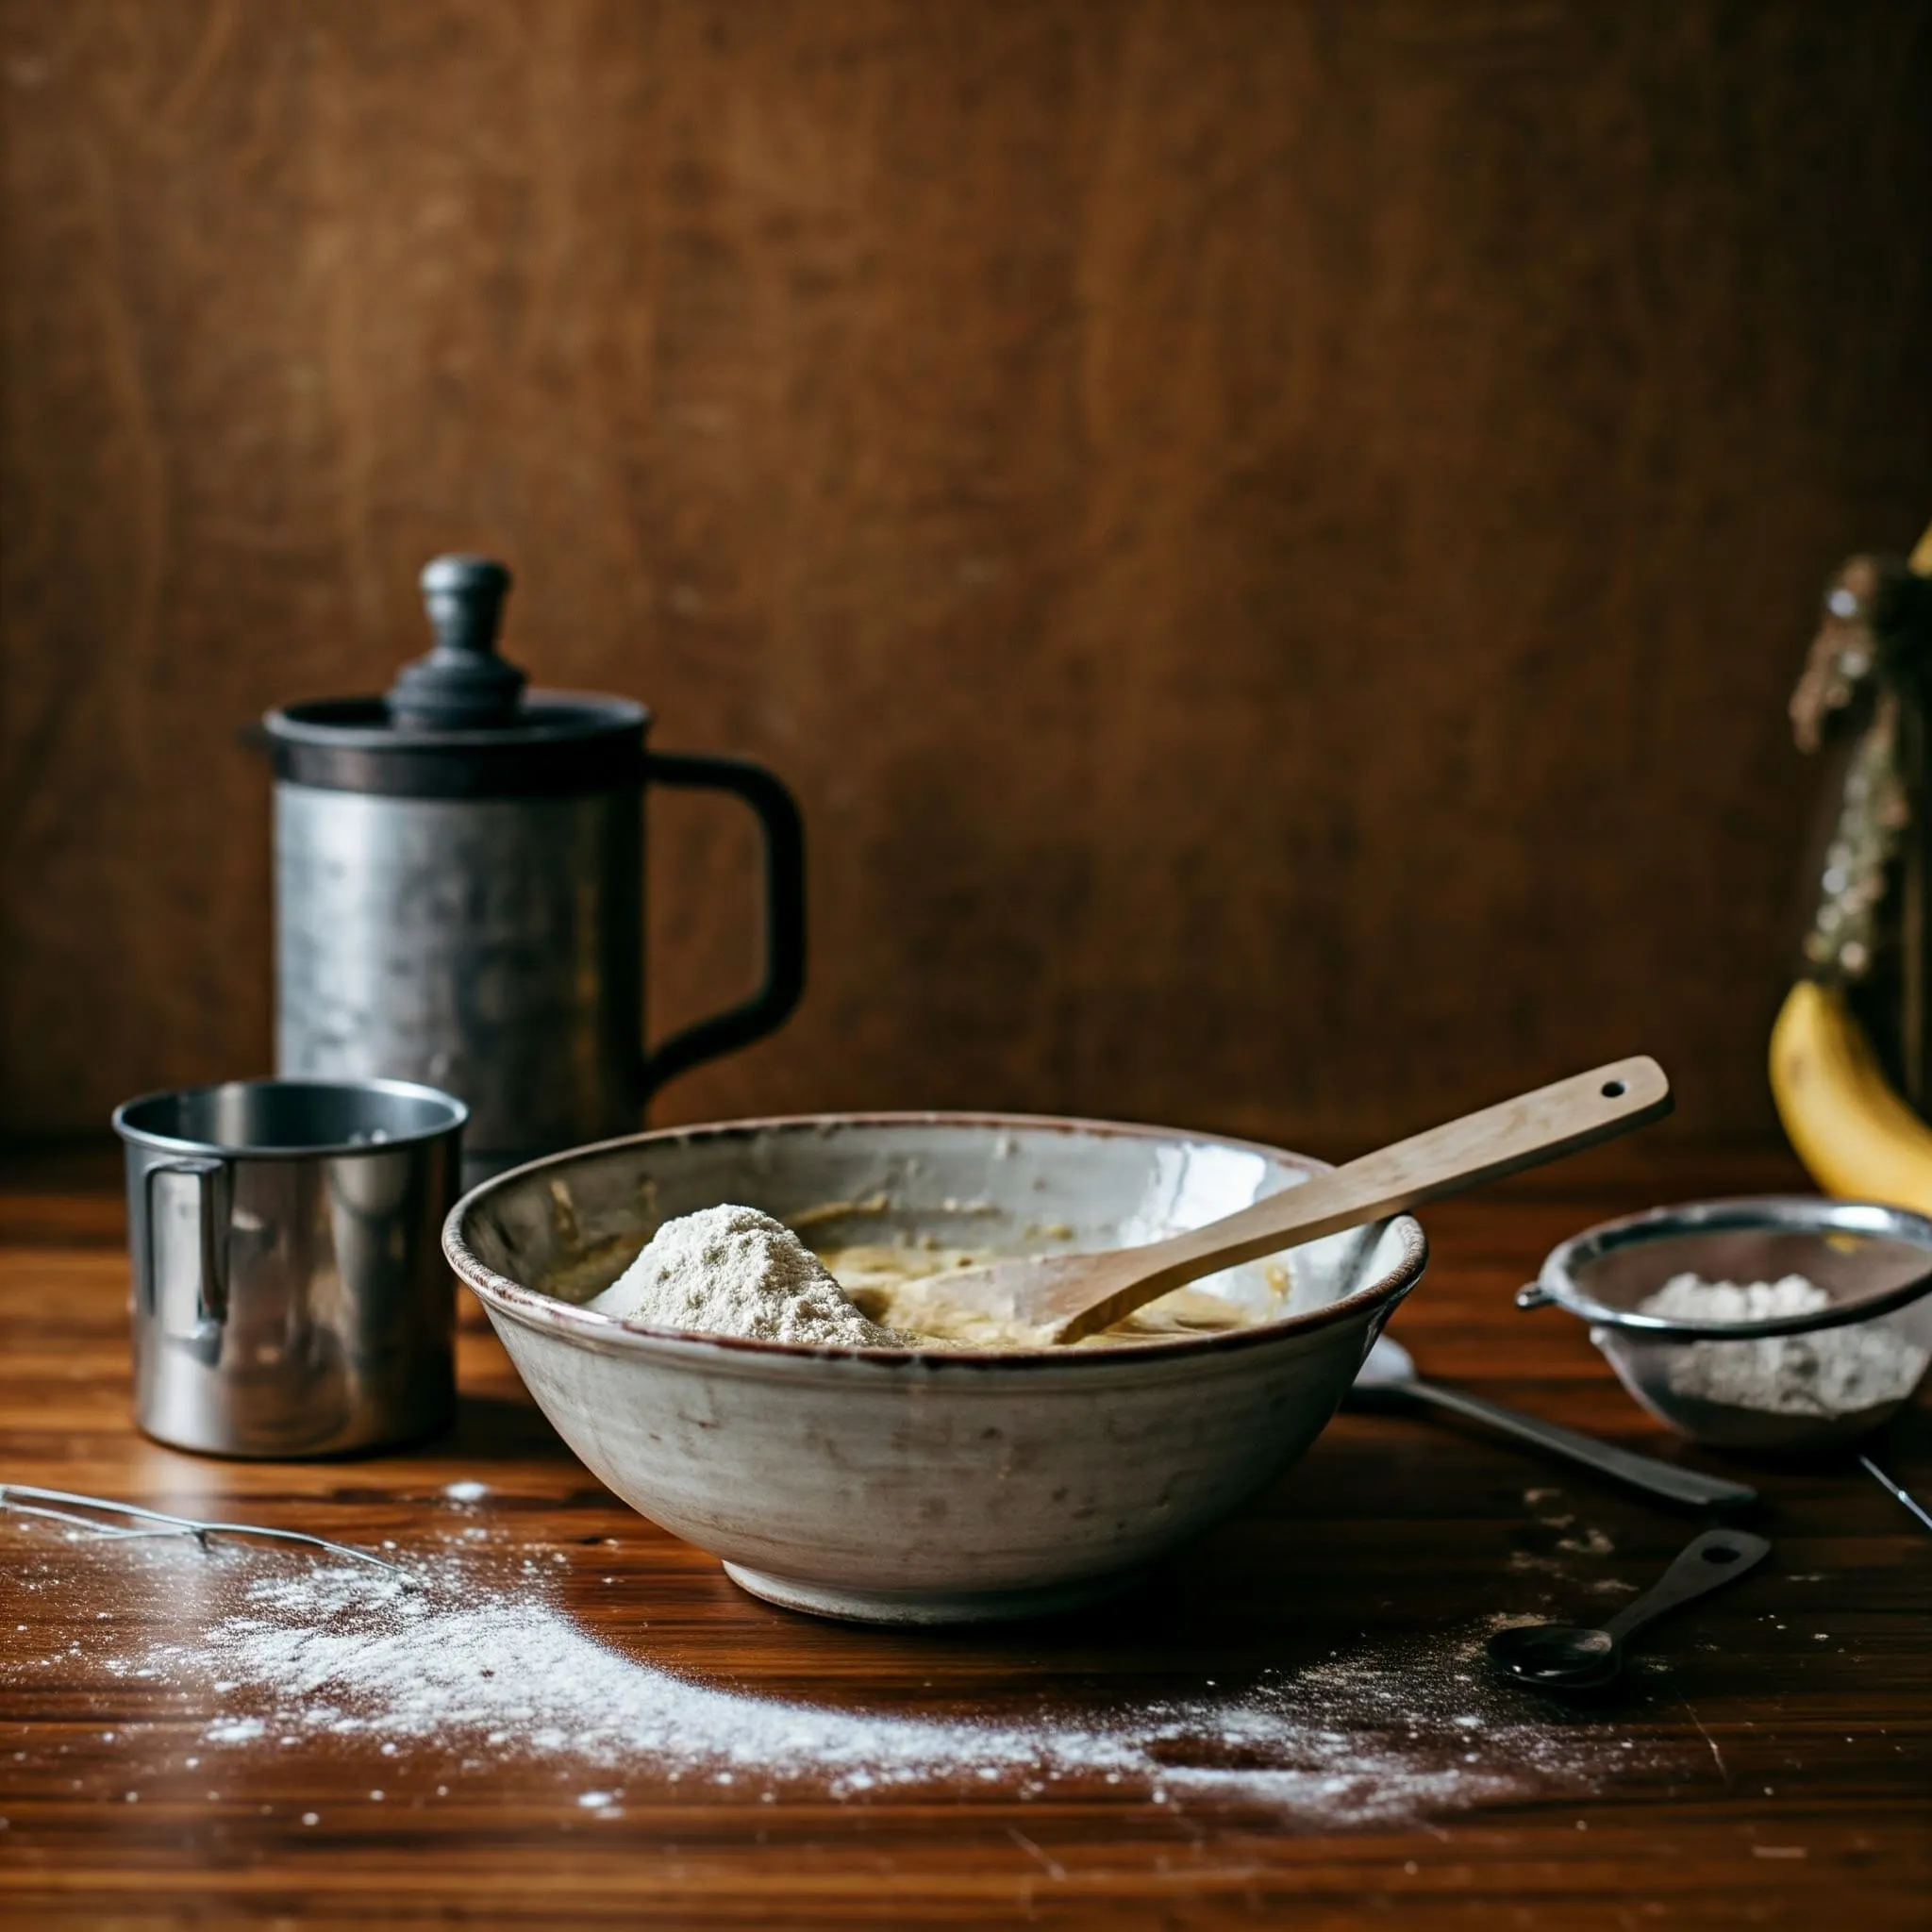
(457, 721)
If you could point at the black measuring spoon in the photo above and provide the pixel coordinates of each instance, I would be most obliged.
(1565, 1656)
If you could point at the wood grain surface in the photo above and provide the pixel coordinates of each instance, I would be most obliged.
(1270, 538)
(1770, 1765)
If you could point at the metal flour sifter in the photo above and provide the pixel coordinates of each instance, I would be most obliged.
(459, 869)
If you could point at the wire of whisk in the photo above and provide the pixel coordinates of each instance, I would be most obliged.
(1910, 1502)
(39, 1501)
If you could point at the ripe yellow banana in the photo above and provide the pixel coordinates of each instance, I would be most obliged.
(1854, 1133)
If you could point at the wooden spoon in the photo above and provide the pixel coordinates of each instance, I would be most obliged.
(1058, 1298)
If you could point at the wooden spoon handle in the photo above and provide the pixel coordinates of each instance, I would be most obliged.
(1502, 1140)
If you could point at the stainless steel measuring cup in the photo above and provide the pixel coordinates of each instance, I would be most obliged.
(289, 1295)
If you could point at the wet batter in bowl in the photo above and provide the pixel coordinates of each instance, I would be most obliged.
(875, 1278)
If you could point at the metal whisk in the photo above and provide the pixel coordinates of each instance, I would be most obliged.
(26, 1499)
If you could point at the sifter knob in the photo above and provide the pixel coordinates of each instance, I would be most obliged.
(462, 684)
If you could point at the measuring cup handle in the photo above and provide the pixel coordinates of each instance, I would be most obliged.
(190, 1312)
(1705, 1563)
(784, 983)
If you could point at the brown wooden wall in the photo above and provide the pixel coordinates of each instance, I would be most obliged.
(1270, 538)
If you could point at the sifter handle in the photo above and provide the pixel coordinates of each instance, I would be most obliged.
(784, 983)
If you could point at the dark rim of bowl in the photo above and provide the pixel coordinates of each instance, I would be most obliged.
(536, 1309)
(1556, 1283)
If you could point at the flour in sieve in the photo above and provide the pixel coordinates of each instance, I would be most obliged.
(1831, 1371)
(733, 1271)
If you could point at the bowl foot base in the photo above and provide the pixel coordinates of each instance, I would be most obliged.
(928, 1606)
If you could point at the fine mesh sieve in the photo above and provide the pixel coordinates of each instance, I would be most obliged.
(1780, 1382)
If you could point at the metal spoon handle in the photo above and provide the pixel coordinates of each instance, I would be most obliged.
(1705, 1563)
(1644, 1472)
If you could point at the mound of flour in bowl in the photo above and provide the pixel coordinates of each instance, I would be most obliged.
(733, 1271)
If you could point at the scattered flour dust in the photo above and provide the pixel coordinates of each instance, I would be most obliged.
(733, 1271)
(1833, 1371)
(481, 1664)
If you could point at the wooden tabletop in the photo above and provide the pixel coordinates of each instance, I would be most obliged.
(1769, 1761)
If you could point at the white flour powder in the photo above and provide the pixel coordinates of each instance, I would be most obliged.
(1381, 1736)
(484, 1666)
(733, 1271)
(1833, 1371)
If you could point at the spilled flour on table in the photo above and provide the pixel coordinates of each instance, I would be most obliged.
(483, 1665)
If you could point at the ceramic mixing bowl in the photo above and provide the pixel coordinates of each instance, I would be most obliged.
(926, 1486)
